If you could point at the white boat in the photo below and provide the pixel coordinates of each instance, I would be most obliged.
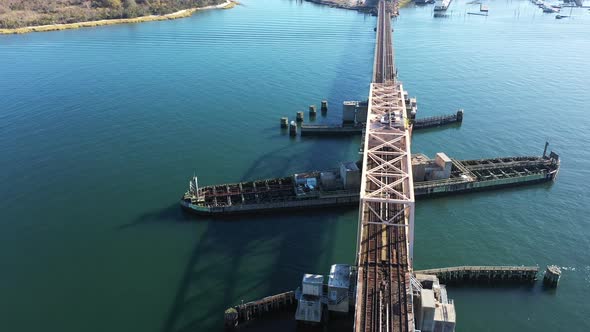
(549, 9)
(441, 5)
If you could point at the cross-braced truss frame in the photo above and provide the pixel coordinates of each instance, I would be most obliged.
(387, 194)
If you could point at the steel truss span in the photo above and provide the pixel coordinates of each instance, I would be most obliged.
(386, 215)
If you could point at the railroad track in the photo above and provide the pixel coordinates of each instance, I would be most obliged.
(383, 265)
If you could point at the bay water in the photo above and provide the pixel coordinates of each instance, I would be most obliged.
(101, 128)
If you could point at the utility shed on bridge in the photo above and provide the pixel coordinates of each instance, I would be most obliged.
(338, 288)
(309, 308)
(444, 318)
(349, 111)
(350, 174)
(425, 316)
(435, 312)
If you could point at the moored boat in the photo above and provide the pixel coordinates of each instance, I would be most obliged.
(441, 5)
(339, 187)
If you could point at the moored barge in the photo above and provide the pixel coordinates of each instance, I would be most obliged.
(338, 187)
(310, 189)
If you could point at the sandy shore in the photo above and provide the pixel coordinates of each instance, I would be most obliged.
(150, 18)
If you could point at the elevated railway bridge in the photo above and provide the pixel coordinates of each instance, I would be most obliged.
(386, 216)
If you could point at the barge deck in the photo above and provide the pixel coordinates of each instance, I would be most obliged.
(483, 174)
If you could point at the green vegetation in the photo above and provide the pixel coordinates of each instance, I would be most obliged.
(23, 13)
(403, 3)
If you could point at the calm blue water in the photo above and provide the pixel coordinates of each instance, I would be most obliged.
(100, 129)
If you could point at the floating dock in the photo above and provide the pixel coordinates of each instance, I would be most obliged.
(339, 187)
(484, 274)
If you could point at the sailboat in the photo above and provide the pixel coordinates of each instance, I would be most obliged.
(559, 17)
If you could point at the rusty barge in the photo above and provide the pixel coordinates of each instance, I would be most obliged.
(337, 187)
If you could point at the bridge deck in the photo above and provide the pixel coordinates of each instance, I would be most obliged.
(385, 235)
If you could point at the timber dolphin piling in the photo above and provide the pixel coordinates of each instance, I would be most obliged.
(484, 274)
(354, 119)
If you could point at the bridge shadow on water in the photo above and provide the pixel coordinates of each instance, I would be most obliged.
(161, 216)
(246, 257)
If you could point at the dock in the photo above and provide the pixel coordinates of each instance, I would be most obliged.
(437, 121)
(484, 274)
(248, 311)
(331, 130)
(348, 129)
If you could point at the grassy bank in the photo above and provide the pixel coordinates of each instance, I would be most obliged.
(149, 18)
(403, 3)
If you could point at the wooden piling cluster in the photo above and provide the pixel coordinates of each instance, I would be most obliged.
(488, 274)
(312, 111)
(324, 106)
(251, 310)
(435, 121)
(552, 274)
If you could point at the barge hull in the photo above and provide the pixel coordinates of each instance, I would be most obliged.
(478, 186)
(419, 193)
(433, 177)
(265, 207)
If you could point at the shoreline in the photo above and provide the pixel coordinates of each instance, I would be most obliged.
(89, 24)
(362, 8)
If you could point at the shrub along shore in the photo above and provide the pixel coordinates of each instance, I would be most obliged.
(172, 16)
